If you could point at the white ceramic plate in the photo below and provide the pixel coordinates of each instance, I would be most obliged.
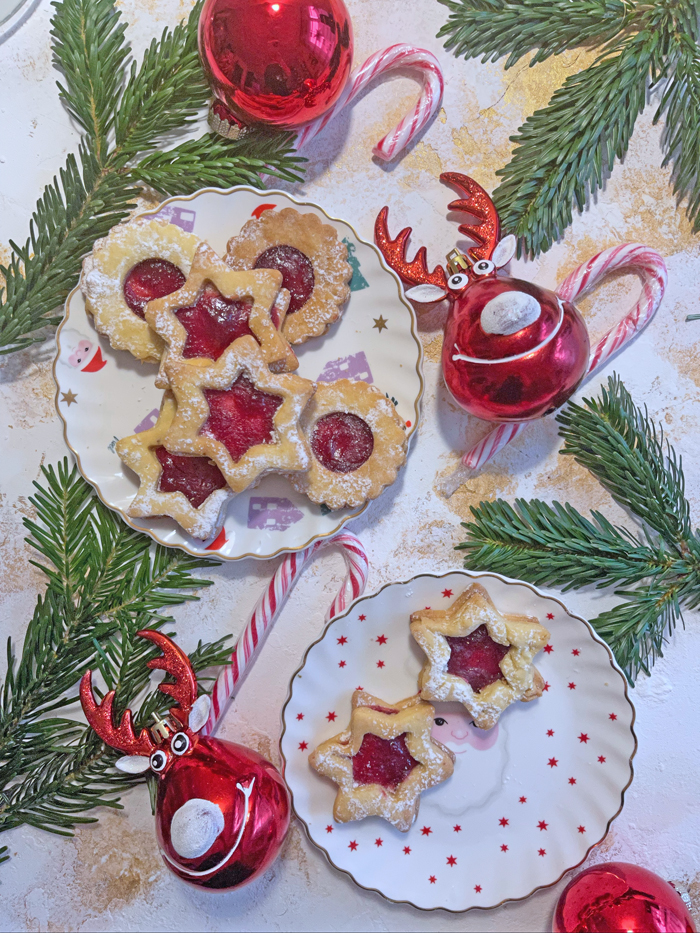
(109, 394)
(527, 800)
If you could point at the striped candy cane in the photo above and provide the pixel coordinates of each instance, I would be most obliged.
(395, 57)
(270, 605)
(651, 268)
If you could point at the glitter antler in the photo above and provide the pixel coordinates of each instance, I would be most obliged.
(394, 251)
(174, 661)
(99, 716)
(477, 203)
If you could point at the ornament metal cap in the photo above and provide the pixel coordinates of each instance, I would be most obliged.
(222, 121)
(457, 262)
(161, 729)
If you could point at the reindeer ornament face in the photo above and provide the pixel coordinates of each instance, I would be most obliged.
(513, 351)
(222, 810)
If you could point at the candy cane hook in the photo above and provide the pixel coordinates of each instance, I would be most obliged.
(270, 605)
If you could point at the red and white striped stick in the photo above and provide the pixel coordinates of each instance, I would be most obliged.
(634, 257)
(391, 59)
(270, 605)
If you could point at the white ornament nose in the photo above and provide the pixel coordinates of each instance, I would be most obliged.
(509, 312)
(195, 827)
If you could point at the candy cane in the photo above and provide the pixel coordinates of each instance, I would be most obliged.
(652, 270)
(395, 57)
(270, 605)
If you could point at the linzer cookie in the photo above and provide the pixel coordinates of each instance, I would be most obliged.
(384, 760)
(132, 265)
(478, 656)
(313, 263)
(192, 490)
(357, 441)
(215, 306)
(239, 414)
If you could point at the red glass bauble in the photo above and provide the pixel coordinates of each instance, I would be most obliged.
(618, 896)
(517, 376)
(277, 62)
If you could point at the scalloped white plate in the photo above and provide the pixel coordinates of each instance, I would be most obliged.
(527, 800)
(110, 394)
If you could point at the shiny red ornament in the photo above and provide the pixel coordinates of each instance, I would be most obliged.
(222, 810)
(618, 896)
(276, 62)
(513, 351)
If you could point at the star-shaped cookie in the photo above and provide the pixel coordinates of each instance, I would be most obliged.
(478, 656)
(384, 760)
(239, 414)
(191, 490)
(216, 306)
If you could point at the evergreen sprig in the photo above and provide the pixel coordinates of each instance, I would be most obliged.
(128, 113)
(564, 151)
(105, 582)
(655, 568)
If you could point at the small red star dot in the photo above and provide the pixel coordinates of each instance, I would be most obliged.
(504, 848)
(451, 860)
(582, 829)
(601, 759)
(550, 732)
(427, 607)
(583, 737)
(546, 686)
(447, 593)
(378, 842)
(572, 781)
(426, 831)
(432, 879)
(550, 615)
(352, 846)
(613, 716)
(522, 800)
(553, 762)
(362, 618)
(548, 649)
(331, 717)
(380, 664)
(406, 850)
(503, 821)
(542, 825)
(303, 746)
(300, 715)
(381, 639)
(329, 828)
(342, 640)
(359, 688)
(572, 685)
(477, 888)
(575, 652)
(541, 851)
(408, 424)
(457, 828)
(341, 663)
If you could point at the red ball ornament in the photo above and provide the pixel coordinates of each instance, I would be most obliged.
(513, 351)
(618, 896)
(222, 810)
(277, 62)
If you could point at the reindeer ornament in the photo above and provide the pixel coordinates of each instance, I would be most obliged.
(513, 351)
(222, 811)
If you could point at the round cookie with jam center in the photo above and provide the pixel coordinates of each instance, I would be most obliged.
(358, 444)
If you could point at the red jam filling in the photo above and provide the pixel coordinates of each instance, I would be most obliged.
(240, 417)
(476, 658)
(297, 272)
(342, 442)
(196, 477)
(150, 279)
(213, 323)
(382, 761)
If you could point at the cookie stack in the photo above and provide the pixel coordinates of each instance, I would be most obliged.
(222, 332)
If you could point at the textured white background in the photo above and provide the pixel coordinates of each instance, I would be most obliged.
(110, 875)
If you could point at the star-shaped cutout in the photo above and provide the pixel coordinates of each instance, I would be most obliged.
(583, 738)
(423, 763)
(447, 593)
(503, 821)
(69, 397)
(542, 825)
(381, 639)
(331, 717)
(342, 640)
(451, 860)
(513, 640)
(380, 323)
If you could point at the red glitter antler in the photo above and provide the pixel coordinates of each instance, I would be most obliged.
(394, 251)
(99, 716)
(174, 661)
(477, 203)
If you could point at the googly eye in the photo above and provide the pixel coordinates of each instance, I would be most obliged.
(440, 721)
(458, 281)
(483, 267)
(158, 761)
(180, 743)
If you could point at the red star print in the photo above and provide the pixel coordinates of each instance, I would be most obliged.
(451, 860)
(300, 715)
(522, 800)
(331, 717)
(359, 688)
(613, 716)
(541, 851)
(550, 732)
(601, 759)
(546, 686)
(583, 737)
(362, 618)
(457, 828)
(552, 762)
(572, 781)
(406, 850)
(303, 746)
(503, 821)
(548, 649)
(582, 829)
(572, 685)
(380, 664)
(542, 825)
(550, 615)
(426, 831)
(477, 888)
(378, 842)
(381, 639)
(432, 879)
(341, 663)
(427, 607)
(575, 652)
(342, 640)
(329, 828)
(504, 848)
(447, 593)
(352, 846)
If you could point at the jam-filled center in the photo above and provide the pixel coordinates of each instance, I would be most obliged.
(148, 280)
(213, 322)
(382, 761)
(195, 477)
(342, 442)
(240, 417)
(297, 272)
(476, 658)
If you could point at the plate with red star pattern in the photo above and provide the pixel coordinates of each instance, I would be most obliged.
(528, 799)
(105, 394)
